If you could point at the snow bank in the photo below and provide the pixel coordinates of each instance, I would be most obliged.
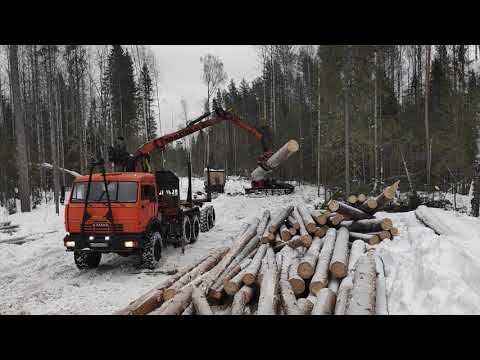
(433, 274)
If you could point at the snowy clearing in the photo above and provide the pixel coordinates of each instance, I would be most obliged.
(425, 273)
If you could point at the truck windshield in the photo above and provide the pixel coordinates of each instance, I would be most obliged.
(119, 191)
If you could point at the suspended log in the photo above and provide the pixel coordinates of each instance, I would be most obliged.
(368, 225)
(275, 160)
(252, 269)
(153, 298)
(347, 210)
(296, 282)
(362, 296)
(387, 195)
(381, 307)
(343, 293)
(306, 266)
(325, 303)
(208, 264)
(339, 261)
(372, 239)
(293, 222)
(267, 302)
(357, 250)
(307, 219)
(285, 233)
(320, 277)
(320, 217)
(305, 236)
(200, 302)
(369, 205)
(241, 299)
(279, 219)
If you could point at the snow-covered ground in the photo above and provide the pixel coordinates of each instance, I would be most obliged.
(425, 273)
(40, 277)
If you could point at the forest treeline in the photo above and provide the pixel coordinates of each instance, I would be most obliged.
(362, 114)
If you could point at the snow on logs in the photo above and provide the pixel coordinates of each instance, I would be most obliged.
(275, 160)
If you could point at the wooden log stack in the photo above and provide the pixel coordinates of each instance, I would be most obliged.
(292, 261)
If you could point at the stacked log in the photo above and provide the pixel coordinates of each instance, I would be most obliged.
(275, 267)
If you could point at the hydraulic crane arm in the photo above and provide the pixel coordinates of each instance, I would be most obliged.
(198, 124)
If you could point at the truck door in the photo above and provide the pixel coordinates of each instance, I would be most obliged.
(148, 203)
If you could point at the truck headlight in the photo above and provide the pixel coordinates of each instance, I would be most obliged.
(91, 237)
(130, 244)
(107, 238)
(70, 243)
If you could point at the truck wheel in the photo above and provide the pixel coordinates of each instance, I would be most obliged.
(86, 259)
(186, 230)
(195, 228)
(151, 251)
(211, 217)
(204, 219)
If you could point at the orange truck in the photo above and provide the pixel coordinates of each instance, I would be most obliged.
(134, 210)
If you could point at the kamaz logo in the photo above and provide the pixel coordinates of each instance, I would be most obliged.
(101, 225)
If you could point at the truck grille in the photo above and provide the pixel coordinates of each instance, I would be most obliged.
(102, 227)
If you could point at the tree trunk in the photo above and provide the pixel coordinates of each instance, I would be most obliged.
(357, 250)
(347, 210)
(202, 268)
(325, 303)
(306, 304)
(200, 302)
(320, 277)
(372, 239)
(381, 307)
(293, 222)
(252, 270)
(152, 299)
(267, 302)
(241, 299)
(320, 217)
(387, 195)
(343, 293)
(382, 234)
(306, 266)
(368, 225)
(427, 132)
(362, 296)
(368, 205)
(339, 261)
(21, 143)
(285, 233)
(306, 218)
(304, 235)
(279, 219)
(233, 285)
(296, 282)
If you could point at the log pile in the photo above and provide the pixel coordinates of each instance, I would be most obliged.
(293, 261)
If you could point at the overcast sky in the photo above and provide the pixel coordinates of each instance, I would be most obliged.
(180, 73)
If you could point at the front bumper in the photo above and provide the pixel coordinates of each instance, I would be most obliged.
(115, 243)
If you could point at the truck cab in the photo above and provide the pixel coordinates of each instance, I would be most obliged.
(141, 214)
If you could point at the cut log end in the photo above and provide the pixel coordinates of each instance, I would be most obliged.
(298, 285)
(338, 269)
(375, 239)
(305, 270)
(293, 146)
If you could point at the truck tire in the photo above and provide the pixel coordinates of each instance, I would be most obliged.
(151, 251)
(195, 228)
(86, 259)
(211, 217)
(186, 230)
(204, 219)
